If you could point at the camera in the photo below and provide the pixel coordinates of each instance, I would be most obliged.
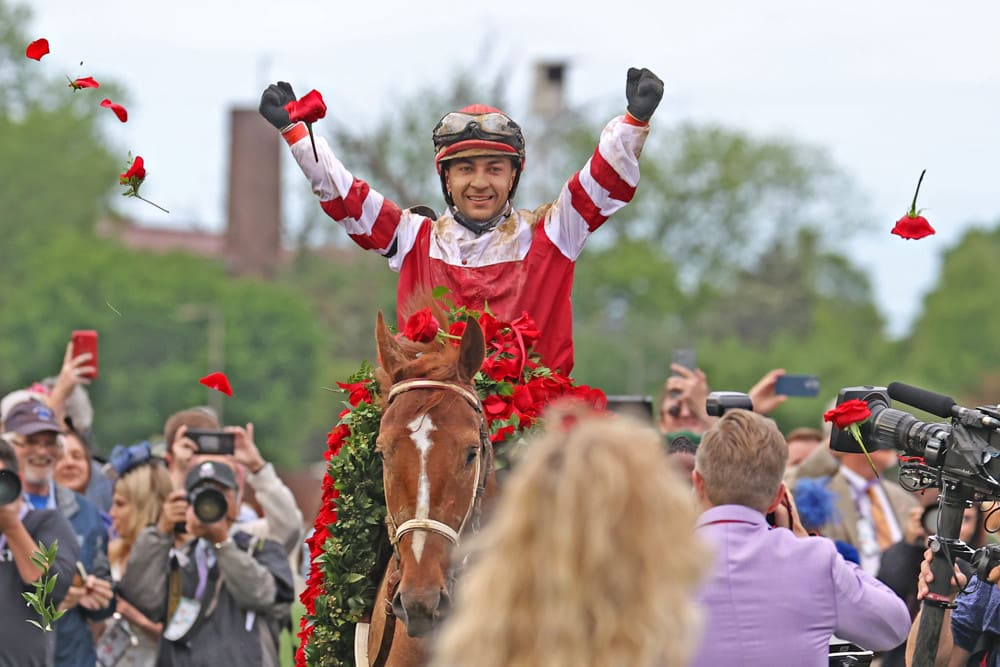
(718, 402)
(208, 502)
(10, 486)
(213, 442)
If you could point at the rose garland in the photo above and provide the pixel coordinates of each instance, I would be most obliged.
(514, 386)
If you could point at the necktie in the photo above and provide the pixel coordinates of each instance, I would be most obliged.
(883, 533)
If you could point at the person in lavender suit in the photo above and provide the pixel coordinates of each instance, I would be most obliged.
(775, 595)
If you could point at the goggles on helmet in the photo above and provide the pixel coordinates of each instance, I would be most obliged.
(495, 126)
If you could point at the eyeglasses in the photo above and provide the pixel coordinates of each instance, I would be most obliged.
(50, 442)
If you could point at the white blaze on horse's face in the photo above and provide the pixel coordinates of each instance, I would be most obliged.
(420, 433)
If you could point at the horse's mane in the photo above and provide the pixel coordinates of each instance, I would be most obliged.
(434, 360)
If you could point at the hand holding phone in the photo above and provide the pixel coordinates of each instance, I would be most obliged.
(85, 341)
(212, 442)
(797, 385)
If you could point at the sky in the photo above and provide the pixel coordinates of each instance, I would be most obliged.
(888, 88)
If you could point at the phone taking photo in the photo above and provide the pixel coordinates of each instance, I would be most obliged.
(685, 357)
(797, 385)
(212, 442)
(86, 341)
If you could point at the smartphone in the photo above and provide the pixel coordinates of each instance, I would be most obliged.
(797, 385)
(86, 341)
(213, 442)
(685, 357)
(80, 576)
(640, 407)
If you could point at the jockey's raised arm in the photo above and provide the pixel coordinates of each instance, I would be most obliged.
(485, 251)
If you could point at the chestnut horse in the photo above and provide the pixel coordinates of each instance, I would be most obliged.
(437, 465)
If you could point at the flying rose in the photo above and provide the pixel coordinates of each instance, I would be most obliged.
(422, 326)
(357, 392)
(309, 108)
(85, 82)
(133, 178)
(37, 49)
(117, 108)
(913, 225)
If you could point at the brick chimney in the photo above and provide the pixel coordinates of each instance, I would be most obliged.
(253, 231)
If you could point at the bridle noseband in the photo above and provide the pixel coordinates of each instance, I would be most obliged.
(484, 456)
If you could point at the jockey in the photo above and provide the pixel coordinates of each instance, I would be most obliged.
(483, 249)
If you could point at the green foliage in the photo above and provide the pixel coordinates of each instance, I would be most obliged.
(41, 598)
(151, 355)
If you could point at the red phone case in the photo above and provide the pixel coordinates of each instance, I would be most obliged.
(86, 341)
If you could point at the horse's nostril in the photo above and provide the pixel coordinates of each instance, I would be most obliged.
(444, 603)
(397, 607)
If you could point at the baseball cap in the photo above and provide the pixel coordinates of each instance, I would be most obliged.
(210, 471)
(29, 418)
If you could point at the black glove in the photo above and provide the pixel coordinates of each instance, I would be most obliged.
(273, 101)
(643, 90)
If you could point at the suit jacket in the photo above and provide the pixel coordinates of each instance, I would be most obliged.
(845, 527)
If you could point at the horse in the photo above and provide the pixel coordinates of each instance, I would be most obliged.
(437, 466)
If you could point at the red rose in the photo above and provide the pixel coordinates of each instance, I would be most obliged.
(525, 325)
(592, 396)
(422, 326)
(497, 407)
(913, 228)
(500, 368)
(913, 225)
(335, 440)
(86, 82)
(490, 326)
(502, 433)
(136, 170)
(357, 392)
(847, 413)
(117, 108)
(37, 49)
(457, 329)
(309, 108)
(526, 402)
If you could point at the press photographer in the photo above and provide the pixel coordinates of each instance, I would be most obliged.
(960, 458)
(222, 596)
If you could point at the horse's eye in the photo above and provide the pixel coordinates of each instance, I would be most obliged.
(380, 453)
(471, 455)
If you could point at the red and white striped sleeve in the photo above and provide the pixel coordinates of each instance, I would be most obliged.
(605, 184)
(369, 218)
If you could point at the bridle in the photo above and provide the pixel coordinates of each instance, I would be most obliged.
(484, 456)
(484, 459)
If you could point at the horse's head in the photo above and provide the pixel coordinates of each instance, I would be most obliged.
(436, 460)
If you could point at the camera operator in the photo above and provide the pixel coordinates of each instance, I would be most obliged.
(970, 634)
(777, 595)
(21, 529)
(222, 595)
(282, 520)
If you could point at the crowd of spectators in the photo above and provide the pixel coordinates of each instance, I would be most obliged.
(144, 573)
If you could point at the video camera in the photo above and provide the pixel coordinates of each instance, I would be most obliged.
(959, 456)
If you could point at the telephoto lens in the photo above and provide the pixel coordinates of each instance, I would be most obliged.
(209, 503)
(10, 486)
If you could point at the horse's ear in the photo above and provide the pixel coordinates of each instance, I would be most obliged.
(390, 353)
(471, 351)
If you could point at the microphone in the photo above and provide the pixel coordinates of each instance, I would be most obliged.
(922, 399)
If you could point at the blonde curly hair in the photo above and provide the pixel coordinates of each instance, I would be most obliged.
(589, 559)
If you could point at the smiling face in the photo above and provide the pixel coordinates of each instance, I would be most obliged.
(73, 470)
(480, 186)
(37, 455)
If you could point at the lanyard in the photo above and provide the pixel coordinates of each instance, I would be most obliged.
(201, 559)
(20, 517)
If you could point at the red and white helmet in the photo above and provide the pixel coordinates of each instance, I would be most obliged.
(475, 131)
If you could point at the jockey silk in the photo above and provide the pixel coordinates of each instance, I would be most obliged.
(525, 263)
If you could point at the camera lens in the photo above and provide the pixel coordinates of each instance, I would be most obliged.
(209, 504)
(10, 487)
